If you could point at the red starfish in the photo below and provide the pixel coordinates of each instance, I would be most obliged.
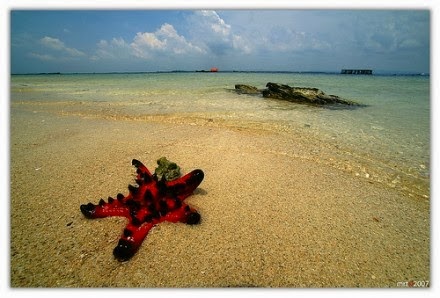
(151, 203)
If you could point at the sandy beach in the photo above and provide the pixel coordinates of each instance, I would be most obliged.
(278, 209)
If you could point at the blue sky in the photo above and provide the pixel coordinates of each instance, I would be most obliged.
(163, 40)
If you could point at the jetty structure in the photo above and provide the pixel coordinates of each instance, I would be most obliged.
(357, 71)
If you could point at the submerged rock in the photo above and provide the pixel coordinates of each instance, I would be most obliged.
(303, 95)
(167, 169)
(246, 89)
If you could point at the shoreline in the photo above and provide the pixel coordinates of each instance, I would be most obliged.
(277, 211)
(314, 146)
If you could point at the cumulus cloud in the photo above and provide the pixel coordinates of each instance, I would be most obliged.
(147, 45)
(116, 48)
(55, 50)
(147, 40)
(213, 34)
(206, 34)
(210, 19)
(164, 40)
(52, 43)
(222, 38)
(58, 45)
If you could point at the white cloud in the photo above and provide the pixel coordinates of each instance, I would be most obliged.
(164, 43)
(165, 40)
(210, 32)
(52, 43)
(117, 48)
(42, 57)
(222, 38)
(74, 52)
(212, 20)
(207, 34)
(55, 50)
(147, 40)
(58, 45)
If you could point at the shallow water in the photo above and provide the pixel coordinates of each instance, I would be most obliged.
(392, 132)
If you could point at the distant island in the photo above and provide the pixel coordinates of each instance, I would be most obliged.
(376, 73)
(213, 69)
(357, 71)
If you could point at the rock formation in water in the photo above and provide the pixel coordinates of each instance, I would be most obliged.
(303, 95)
(246, 89)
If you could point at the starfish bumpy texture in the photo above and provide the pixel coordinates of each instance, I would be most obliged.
(150, 203)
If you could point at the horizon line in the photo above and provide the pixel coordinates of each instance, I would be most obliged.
(379, 72)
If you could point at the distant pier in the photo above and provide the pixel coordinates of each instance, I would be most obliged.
(357, 71)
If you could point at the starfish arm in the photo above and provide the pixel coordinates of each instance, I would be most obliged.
(184, 186)
(143, 174)
(104, 209)
(130, 241)
(183, 214)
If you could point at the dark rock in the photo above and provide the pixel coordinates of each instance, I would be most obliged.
(305, 95)
(246, 89)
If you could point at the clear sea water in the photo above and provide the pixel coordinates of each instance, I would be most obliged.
(393, 130)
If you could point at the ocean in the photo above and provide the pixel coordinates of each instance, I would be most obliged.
(387, 141)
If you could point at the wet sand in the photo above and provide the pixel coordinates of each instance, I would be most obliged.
(277, 209)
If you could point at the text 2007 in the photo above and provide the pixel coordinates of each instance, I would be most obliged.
(413, 284)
